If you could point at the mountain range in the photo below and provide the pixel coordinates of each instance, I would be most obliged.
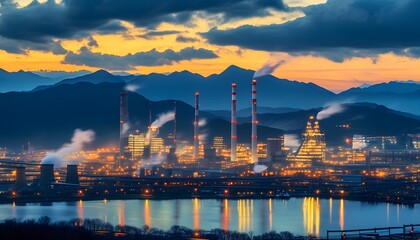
(215, 90)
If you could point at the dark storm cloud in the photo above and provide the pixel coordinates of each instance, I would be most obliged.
(42, 22)
(184, 39)
(22, 47)
(130, 61)
(337, 30)
(153, 34)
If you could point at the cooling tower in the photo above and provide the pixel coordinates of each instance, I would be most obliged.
(72, 176)
(47, 176)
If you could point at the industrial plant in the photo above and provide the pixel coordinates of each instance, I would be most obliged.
(148, 164)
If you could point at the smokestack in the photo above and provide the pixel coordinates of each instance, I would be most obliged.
(175, 125)
(72, 176)
(196, 130)
(233, 135)
(254, 156)
(20, 177)
(47, 176)
(123, 120)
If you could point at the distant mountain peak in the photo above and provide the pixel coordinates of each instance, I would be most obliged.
(233, 69)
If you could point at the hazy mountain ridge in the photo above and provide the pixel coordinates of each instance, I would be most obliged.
(215, 90)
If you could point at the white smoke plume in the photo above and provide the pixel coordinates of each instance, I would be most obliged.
(126, 127)
(163, 118)
(330, 110)
(292, 141)
(275, 61)
(154, 160)
(131, 87)
(203, 132)
(259, 168)
(78, 141)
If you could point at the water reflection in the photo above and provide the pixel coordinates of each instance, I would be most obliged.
(80, 209)
(311, 215)
(147, 215)
(341, 214)
(225, 215)
(316, 215)
(121, 213)
(196, 213)
(245, 209)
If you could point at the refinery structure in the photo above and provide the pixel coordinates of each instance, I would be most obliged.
(147, 163)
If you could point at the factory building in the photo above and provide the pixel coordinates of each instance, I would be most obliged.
(313, 146)
(136, 142)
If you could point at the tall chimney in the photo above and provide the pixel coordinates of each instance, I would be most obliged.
(123, 119)
(72, 176)
(175, 125)
(254, 155)
(233, 135)
(20, 177)
(47, 176)
(196, 129)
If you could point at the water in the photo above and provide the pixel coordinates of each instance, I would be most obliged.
(298, 215)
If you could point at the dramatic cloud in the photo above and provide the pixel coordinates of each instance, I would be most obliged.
(43, 22)
(154, 34)
(185, 39)
(128, 62)
(337, 30)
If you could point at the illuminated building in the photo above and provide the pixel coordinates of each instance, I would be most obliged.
(374, 142)
(313, 147)
(3, 152)
(243, 153)
(218, 145)
(275, 147)
(416, 142)
(136, 142)
(262, 150)
(156, 145)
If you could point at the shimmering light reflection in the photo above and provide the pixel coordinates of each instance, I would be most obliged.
(270, 212)
(311, 215)
(331, 209)
(147, 218)
(196, 213)
(225, 218)
(245, 211)
(121, 216)
(80, 209)
(341, 214)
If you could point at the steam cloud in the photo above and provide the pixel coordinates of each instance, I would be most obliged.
(162, 119)
(154, 160)
(131, 87)
(126, 127)
(275, 61)
(330, 110)
(78, 141)
(292, 141)
(203, 132)
(259, 168)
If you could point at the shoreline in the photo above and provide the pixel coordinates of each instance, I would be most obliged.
(142, 197)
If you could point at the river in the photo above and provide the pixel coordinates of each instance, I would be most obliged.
(300, 216)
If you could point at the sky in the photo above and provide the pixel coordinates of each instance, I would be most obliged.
(336, 44)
